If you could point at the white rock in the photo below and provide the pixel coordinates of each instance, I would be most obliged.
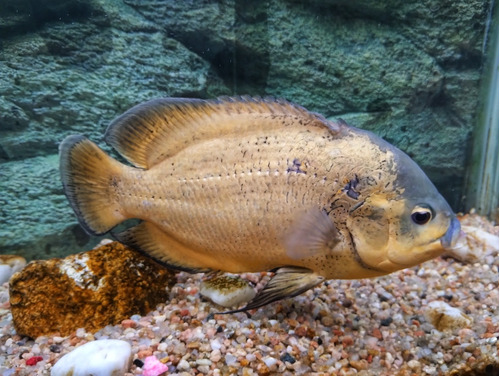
(9, 264)
(231, 360)
(183, 365)
(215, 344)
(109, 357)
(414, 364)
(444, 317)
(204, 362)
(5, 273)
(479, 239)
(162, 347)
(269, 361)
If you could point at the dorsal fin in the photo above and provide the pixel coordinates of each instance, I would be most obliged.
(155, 130)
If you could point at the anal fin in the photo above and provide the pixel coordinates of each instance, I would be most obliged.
(151, 240)
(288, 282)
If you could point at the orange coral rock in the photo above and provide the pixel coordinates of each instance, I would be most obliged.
(88, 290)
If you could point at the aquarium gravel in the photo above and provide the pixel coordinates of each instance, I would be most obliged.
(359, 327)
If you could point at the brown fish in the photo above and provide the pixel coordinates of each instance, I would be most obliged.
(247, 184)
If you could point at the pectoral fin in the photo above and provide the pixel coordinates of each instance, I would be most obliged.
(288, 282)
(310, 234)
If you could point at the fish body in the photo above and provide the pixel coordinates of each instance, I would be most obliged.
(246, 185)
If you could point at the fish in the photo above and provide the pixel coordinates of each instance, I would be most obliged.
(250, 184)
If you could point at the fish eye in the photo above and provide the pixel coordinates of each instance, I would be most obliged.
(421, 214)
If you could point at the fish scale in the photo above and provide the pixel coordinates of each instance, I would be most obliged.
(247, 184)
(249, 203)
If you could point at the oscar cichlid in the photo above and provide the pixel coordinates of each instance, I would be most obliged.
(248, 184)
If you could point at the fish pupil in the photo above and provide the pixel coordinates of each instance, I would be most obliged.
(421, 217)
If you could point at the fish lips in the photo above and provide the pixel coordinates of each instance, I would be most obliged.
(453, 234)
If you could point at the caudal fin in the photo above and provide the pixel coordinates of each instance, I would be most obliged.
(88, 175)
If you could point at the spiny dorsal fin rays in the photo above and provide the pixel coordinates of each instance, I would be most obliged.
(288, 282)
(153, 131)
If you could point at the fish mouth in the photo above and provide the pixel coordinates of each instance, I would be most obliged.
(452, 235)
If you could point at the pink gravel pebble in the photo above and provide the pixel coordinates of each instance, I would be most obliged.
(153, 367)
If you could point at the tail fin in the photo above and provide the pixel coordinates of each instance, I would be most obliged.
(88, 174)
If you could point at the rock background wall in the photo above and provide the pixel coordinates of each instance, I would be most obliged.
(408, 71)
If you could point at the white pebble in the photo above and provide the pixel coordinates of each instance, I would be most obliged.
(80, 332)
(444, 317)
(230, 360)
(183, 365)
(204, 369)
(160, 318)
(414, 364)
(371, 342)
(203, 362)
(5, 273)
(130, 335)
(97, 358)
(269, 361)
(389, 359)
(266, 349)
(162, 346)
(431, 370)
(215, 344)
(475, 245)
(492, 340)
(9, 264)
(251, 357)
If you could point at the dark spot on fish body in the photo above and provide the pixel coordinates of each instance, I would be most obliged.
(352, 194)
(296, 167)
(349, 188)
(114, 182)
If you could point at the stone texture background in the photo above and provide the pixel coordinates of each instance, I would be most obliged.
(409, 71)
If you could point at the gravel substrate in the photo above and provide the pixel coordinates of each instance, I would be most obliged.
(363, 327)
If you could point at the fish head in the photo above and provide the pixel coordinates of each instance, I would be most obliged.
(405, 223)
